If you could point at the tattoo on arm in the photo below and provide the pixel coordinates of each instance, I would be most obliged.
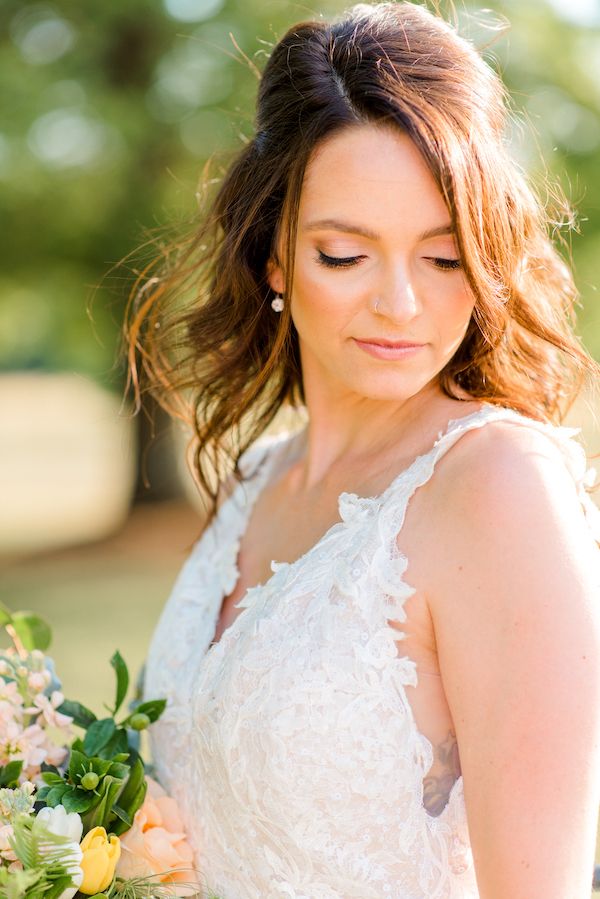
(436, 788)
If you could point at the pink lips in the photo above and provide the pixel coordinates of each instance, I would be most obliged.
(381, 341)
(387, 349)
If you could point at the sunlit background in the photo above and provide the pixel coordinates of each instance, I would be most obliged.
(109, 112)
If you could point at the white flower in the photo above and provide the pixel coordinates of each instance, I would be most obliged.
(65, 824)
(61, 822)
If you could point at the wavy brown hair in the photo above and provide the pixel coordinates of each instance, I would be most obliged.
(200, 332)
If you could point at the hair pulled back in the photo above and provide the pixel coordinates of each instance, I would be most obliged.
(201, 334)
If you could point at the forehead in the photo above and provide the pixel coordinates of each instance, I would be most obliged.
(374, 170)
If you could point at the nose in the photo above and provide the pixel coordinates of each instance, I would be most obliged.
(398, 298)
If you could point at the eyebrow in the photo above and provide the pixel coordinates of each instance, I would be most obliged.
(349, 228)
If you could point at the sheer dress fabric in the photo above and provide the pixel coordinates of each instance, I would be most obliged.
(290, 745)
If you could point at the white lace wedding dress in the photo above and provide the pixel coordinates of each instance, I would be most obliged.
(290, 744)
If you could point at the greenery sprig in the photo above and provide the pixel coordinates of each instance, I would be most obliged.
(104, 779)
(46, 859)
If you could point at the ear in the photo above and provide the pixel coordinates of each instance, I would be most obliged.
(275, 276)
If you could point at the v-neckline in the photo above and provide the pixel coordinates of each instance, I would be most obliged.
(259, 482)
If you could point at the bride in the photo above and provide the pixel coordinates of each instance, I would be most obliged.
(382, 656)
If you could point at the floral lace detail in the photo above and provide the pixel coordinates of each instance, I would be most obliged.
(290, 744)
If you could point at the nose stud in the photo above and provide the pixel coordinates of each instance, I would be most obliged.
(376, 309)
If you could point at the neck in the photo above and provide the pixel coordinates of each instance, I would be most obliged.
(348, 433)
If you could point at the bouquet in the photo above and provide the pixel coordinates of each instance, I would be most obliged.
(79, 813)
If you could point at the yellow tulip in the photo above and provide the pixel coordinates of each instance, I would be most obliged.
(100, 857)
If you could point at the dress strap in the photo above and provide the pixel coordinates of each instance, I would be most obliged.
(422, 469)
(262, 456)
(222, 539)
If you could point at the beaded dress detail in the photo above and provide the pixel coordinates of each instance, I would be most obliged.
(290, 745)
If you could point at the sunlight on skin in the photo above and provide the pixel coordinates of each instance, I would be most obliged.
(373, 228)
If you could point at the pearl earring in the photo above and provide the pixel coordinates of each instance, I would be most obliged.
(277, 303)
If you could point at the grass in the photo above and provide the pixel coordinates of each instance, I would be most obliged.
(103, 597)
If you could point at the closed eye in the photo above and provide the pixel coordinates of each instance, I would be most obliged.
(337, 261)
(347, 261)
(444, 264)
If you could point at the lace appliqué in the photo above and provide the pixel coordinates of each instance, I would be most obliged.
(290, 744)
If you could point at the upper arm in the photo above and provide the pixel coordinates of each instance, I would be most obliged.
(515, 604)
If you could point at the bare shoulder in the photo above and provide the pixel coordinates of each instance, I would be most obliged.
(505, 446)
(509, 529)
(503, 468)
(512, 588)
(497, 489)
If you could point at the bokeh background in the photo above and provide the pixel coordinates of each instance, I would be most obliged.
(109, 112)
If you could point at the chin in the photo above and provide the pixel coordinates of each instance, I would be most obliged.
(389, 388)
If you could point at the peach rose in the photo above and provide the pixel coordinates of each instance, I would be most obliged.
(156, 843)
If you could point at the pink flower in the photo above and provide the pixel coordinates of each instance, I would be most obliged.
(156, 844)
(9, 692)
(23, 743)
(48, 708)
(6, 853)
(38, 680)
(36, 733)
(11, 701)
(55, 755)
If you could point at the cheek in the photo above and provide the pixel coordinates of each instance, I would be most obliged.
(455, 313)
(449, 322)
(316, 298)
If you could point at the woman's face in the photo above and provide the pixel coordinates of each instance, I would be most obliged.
(368, 210)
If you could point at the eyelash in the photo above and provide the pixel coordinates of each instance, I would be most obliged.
(446, 265)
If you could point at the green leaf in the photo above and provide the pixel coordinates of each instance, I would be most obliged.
(121, 757)
(122, 815)
(77, 800)
(99, 766)
(58, 887)
(9, 774)
(51, 778)
(100, 815)
(133, 756)
(81, 715)
(78, 765)
(135, 780)
(138, 799)
(5, 615)
(98, 735)
(132, 796)
(122, 673)
(120, 771)
(116, 824)
(33, 632)
(153, 708)
(18, 884)
(55, 795)
(117, 745)
(41, 794)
